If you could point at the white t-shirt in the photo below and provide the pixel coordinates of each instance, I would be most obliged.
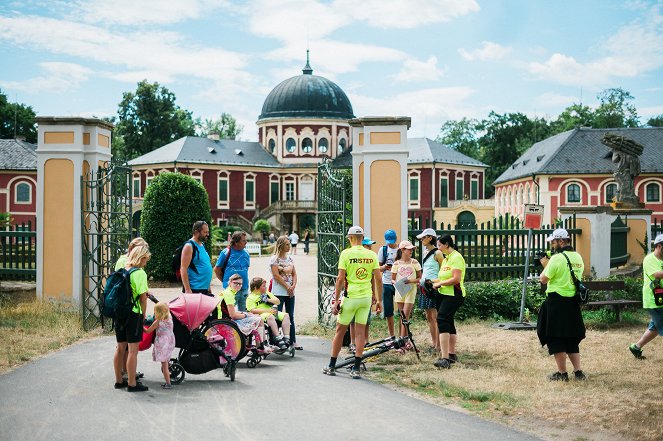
(294, 238)
(391, 257)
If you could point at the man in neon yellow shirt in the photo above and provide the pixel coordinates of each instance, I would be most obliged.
(561, 326)
(360, 268)
(652, 273)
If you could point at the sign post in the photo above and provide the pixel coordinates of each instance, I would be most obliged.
(533, 221)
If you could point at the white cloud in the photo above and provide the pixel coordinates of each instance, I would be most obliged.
(57, 77)
(648, 112)
(406, 14)
(416, 70)
(554, 100)
(487, 51)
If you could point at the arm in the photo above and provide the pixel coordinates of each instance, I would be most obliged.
(143, 303)
(454, 279)
(439, 257)
(394, 274)
(187, 255)
(277, 276)
(377, 290)
(217, 267)
(154, 326)
(338, 287)
(235, 314)
(291, 289)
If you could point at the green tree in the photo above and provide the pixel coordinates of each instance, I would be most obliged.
(655, 121)
(149, 119)
(262, 226)
(576, 115)
(226, 127)
(6, 220)
(461, 135)
(18, 116)
(173, 202)
(615, 110)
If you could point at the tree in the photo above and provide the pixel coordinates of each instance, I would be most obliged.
(173, 202)
(17, 120)
(262, 226)
(576, 115)
(461, 136)
(149, 119)
(226, 127)
(655, 121)
(615, 110)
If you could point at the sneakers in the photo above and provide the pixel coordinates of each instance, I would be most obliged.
(354, 374)
(121, 385)
(166, 386)
(139, 387)
(558, 376)
(636, 351)
(579, 375)
(442, 363)
(453, 358)
(329, 371)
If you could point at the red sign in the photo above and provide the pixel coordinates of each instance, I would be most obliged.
(533, 216)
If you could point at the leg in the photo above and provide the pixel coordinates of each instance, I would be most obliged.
(407, 310)
(360, 334)
(285, 325)
(119, 361)
(352, 333)
(399, 306)
(575, 361)
(290, 309)
(648, 336)
(337, 342)
(444, 344)
(166, 371)
(560, 361)
(271, 322)
(452, 343)
(388, 304)
(431, 318)
(132, 361)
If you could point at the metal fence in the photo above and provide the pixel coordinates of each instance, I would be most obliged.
(656, 229)
(497, 249)
(18, 260)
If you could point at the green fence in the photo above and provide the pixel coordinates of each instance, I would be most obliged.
(656, 229)
(497, 249)
(18, 256)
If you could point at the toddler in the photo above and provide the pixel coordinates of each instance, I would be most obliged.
(164, 341)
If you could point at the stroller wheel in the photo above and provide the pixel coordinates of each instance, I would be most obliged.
(176, 372)
(233, 366)
(292, 351)
(251, 362)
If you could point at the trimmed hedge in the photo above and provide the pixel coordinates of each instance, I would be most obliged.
(173, 202)
(499, 299)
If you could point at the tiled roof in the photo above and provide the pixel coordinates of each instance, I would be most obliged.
(580, 151)
(17, 155)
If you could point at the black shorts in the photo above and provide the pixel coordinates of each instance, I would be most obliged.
(559, 344)
(200, 291)
(131, 331)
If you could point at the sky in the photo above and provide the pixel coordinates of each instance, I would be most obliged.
(432, 60)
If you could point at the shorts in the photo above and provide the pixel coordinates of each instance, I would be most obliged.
(447, 311)
(357, 309)
(656, 323)
(131, 331)
(559, 344)
(279, 316)
(388, 300)
(424, 302)
(407, 298)
(200, 291)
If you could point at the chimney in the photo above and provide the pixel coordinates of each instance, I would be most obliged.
(213, 136)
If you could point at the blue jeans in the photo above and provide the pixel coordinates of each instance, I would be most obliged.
(240, 299)
(289, 303)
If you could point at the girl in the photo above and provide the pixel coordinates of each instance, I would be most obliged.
(264, 303)
(164, 341)
(431, 267)
(284, 278)
(407, 268)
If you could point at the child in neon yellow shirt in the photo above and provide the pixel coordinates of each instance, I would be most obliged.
(263, 303)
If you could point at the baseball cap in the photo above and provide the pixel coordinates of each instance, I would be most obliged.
(390, 236)
(559, 233)
(355, 230)
(406, 244)
(659, 239)
(367, 241)
(426, 232)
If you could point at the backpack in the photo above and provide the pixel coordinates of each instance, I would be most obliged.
(384, 255)
(117, 300)
(176, 261)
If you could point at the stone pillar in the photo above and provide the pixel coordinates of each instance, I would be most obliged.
(379, 170)
(67, 148)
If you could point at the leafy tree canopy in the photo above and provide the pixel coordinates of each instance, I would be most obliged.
(226, 127)
(461, 135)
(656, 121)
(615, 110)
(19, 116)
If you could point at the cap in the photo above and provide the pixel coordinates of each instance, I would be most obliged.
(427, 232)
(390, 236)
(405, 244)
(356, 230)
(367, 241)
(559, 233)
(659, 239)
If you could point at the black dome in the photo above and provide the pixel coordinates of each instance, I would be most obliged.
(307, 96)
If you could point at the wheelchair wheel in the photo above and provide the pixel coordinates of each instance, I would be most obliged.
(176, 371)
(251, 362)
(235, 343)
(233, 366)
(292, 351)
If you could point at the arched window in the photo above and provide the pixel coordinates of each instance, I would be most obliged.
(290, 145)
(466, 219)
(342, 144)
(23, 194)
(610, 192)
(272, 146)
(307, 145)
(323, 145)
(573, 193)
(653, 192)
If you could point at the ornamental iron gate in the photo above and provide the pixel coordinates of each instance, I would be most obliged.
(106, 231)
(334, 217)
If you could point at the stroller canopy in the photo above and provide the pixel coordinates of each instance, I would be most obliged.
(192, 309)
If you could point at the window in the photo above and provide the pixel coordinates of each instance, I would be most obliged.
(444, 192)
(307, 145)
(459, 189)
(610, 192)
(341, 145)
(573, 193)
(273, 191)
(197, 176)
(289, 191)
(413, 198)
(23, 193)
(148, 181)
(224, 188)
(653, 192)
(136, 186)
(272, 146)
(290, 145)
(323, 145)
(474, 189)
(249, 191)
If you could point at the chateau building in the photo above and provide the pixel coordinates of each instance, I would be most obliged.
(18, 180)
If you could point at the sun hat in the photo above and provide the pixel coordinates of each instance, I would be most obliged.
(390, 236)
(559, 233)
(367, 241)
(659, 239)
(406, 244)
(426, 232)
(355, 230)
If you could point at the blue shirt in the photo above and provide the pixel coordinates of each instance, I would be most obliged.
(238, 263)
(203, 266)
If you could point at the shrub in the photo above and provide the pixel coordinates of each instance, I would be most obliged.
(262, 226)
(173, 202)
(499, 299)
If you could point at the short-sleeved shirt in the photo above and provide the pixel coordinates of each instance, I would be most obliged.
(406, 271)
(121, 261)
(450, 263)
(388, 259)
(294, 238)
(138, 280)
(253, 301)
(285, 267)
(430, 268)
(227, 298)
(358, 263)
(203, 277)
(238, 263)
(557, 271)
(650, 265)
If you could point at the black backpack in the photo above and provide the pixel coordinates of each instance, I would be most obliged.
(117, 299)
(176, 261)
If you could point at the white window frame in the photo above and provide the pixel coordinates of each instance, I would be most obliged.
(459, 177)
(136, 178)
(223, 176)
(16, 185)
(658, 184)
(566, 193)
(290, 180)
(605, 192)
(475, 178)
(274, 178)
(414, 175)
(444, 176)
(197, 175)
(250, 177)
(149, 175)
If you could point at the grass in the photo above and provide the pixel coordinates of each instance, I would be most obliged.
(501, 375)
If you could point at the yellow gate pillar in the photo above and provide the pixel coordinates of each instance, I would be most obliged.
(379, 171)
(67, 148)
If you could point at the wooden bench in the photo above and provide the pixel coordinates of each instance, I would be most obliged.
(254, 248)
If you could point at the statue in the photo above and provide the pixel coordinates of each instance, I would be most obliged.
(626, 154)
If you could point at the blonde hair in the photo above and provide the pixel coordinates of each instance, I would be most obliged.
(138, 254)
(280, 244)
(161, 311)
(138, 241)
(234, 277)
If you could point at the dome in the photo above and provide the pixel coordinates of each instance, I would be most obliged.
(307, 96)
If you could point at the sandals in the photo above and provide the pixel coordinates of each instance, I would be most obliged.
(298, 347)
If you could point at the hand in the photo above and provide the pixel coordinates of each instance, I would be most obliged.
(264, 298)
(437, 285)
(378, 307)
(187, 291)
(291, 290)
(335, 307)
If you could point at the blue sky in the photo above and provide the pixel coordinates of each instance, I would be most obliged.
(433, 60)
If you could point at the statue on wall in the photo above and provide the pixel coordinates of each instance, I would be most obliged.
(626, 154)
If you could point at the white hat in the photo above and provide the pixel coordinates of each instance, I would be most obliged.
(426, 232)
(559, 233)
(659, 239)
(406, 244)
(355, 230)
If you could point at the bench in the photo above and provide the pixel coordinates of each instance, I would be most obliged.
(254, 248)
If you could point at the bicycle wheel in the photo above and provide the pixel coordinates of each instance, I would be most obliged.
(235, 343)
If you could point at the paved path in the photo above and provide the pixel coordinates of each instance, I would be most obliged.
(68, 395)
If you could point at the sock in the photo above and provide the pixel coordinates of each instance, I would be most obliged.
(332, 362)
(357, 363)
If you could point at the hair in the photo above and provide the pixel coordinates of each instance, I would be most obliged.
(399, 254)
(198, 226)
(161, 311)
(138, 241)
(256, 283)
(447, 240)
(280, 244)
(137, 254)
(237, 237)
(234, 277)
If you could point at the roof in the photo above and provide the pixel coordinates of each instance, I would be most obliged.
(580, 151)
(422, 151)
(17, 155)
